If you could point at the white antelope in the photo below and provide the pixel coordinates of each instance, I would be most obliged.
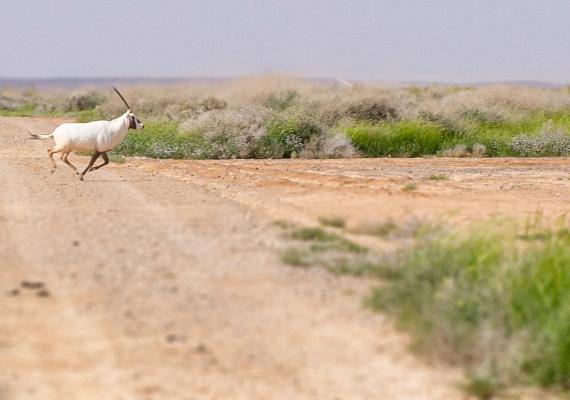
(97, 136)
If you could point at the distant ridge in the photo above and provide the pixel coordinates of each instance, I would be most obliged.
(71, 83)
(537, 84)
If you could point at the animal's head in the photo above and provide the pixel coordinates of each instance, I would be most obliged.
(134, 122)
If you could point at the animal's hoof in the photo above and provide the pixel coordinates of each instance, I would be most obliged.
(76, 172)
(80, 177)
(52, 171)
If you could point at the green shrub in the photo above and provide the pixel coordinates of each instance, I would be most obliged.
(288, 133)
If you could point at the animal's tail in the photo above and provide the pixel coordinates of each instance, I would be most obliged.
(36, 136)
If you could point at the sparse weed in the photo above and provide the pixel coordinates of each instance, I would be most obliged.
(296, 257)
(117, 158)
(324, 241)
(334, 221)
(438, 177)
(312, 234)
(483, 388)
(410, 187)
(389, 229)
(283, 224)
(457, 151)
(332, 252)
(383, 229)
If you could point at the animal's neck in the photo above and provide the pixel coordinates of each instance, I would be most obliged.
(121, 125)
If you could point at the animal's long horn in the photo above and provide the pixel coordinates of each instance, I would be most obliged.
(122, 98)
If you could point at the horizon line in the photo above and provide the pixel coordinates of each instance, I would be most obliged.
(336, 79)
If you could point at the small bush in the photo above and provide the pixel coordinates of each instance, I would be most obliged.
(213, 103)
(231, 133)
(369, 110)
(288, 133)
(551, 141)
(478, 150)
(83, 101)
(282, 100)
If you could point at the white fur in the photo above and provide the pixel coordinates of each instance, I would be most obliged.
(97, 136)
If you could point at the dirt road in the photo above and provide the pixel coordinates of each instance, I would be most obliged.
(161, 280)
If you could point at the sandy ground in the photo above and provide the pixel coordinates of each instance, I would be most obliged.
(161, 279)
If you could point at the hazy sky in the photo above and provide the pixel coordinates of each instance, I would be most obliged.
(442, 40)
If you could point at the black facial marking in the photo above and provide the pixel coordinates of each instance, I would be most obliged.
(132, 123)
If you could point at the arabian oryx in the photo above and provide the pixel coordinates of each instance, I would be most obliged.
(97, 136)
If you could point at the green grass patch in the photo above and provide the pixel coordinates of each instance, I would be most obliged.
(398, 139)
(161, 139)
(477, 136)
(487, 300)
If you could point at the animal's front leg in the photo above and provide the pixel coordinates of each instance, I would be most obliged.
(93, 159)
(105, 162)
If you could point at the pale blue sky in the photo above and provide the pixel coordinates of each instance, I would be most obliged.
(436, 40)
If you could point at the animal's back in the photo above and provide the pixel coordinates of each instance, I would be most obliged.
(80, 136)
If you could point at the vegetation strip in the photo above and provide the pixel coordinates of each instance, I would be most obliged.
(317, 121)
(496, 301)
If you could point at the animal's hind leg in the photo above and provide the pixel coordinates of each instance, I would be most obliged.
(51, 152)
(105, 162)
(94, 158)
(65, 160)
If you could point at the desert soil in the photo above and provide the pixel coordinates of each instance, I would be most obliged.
(161, 279)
